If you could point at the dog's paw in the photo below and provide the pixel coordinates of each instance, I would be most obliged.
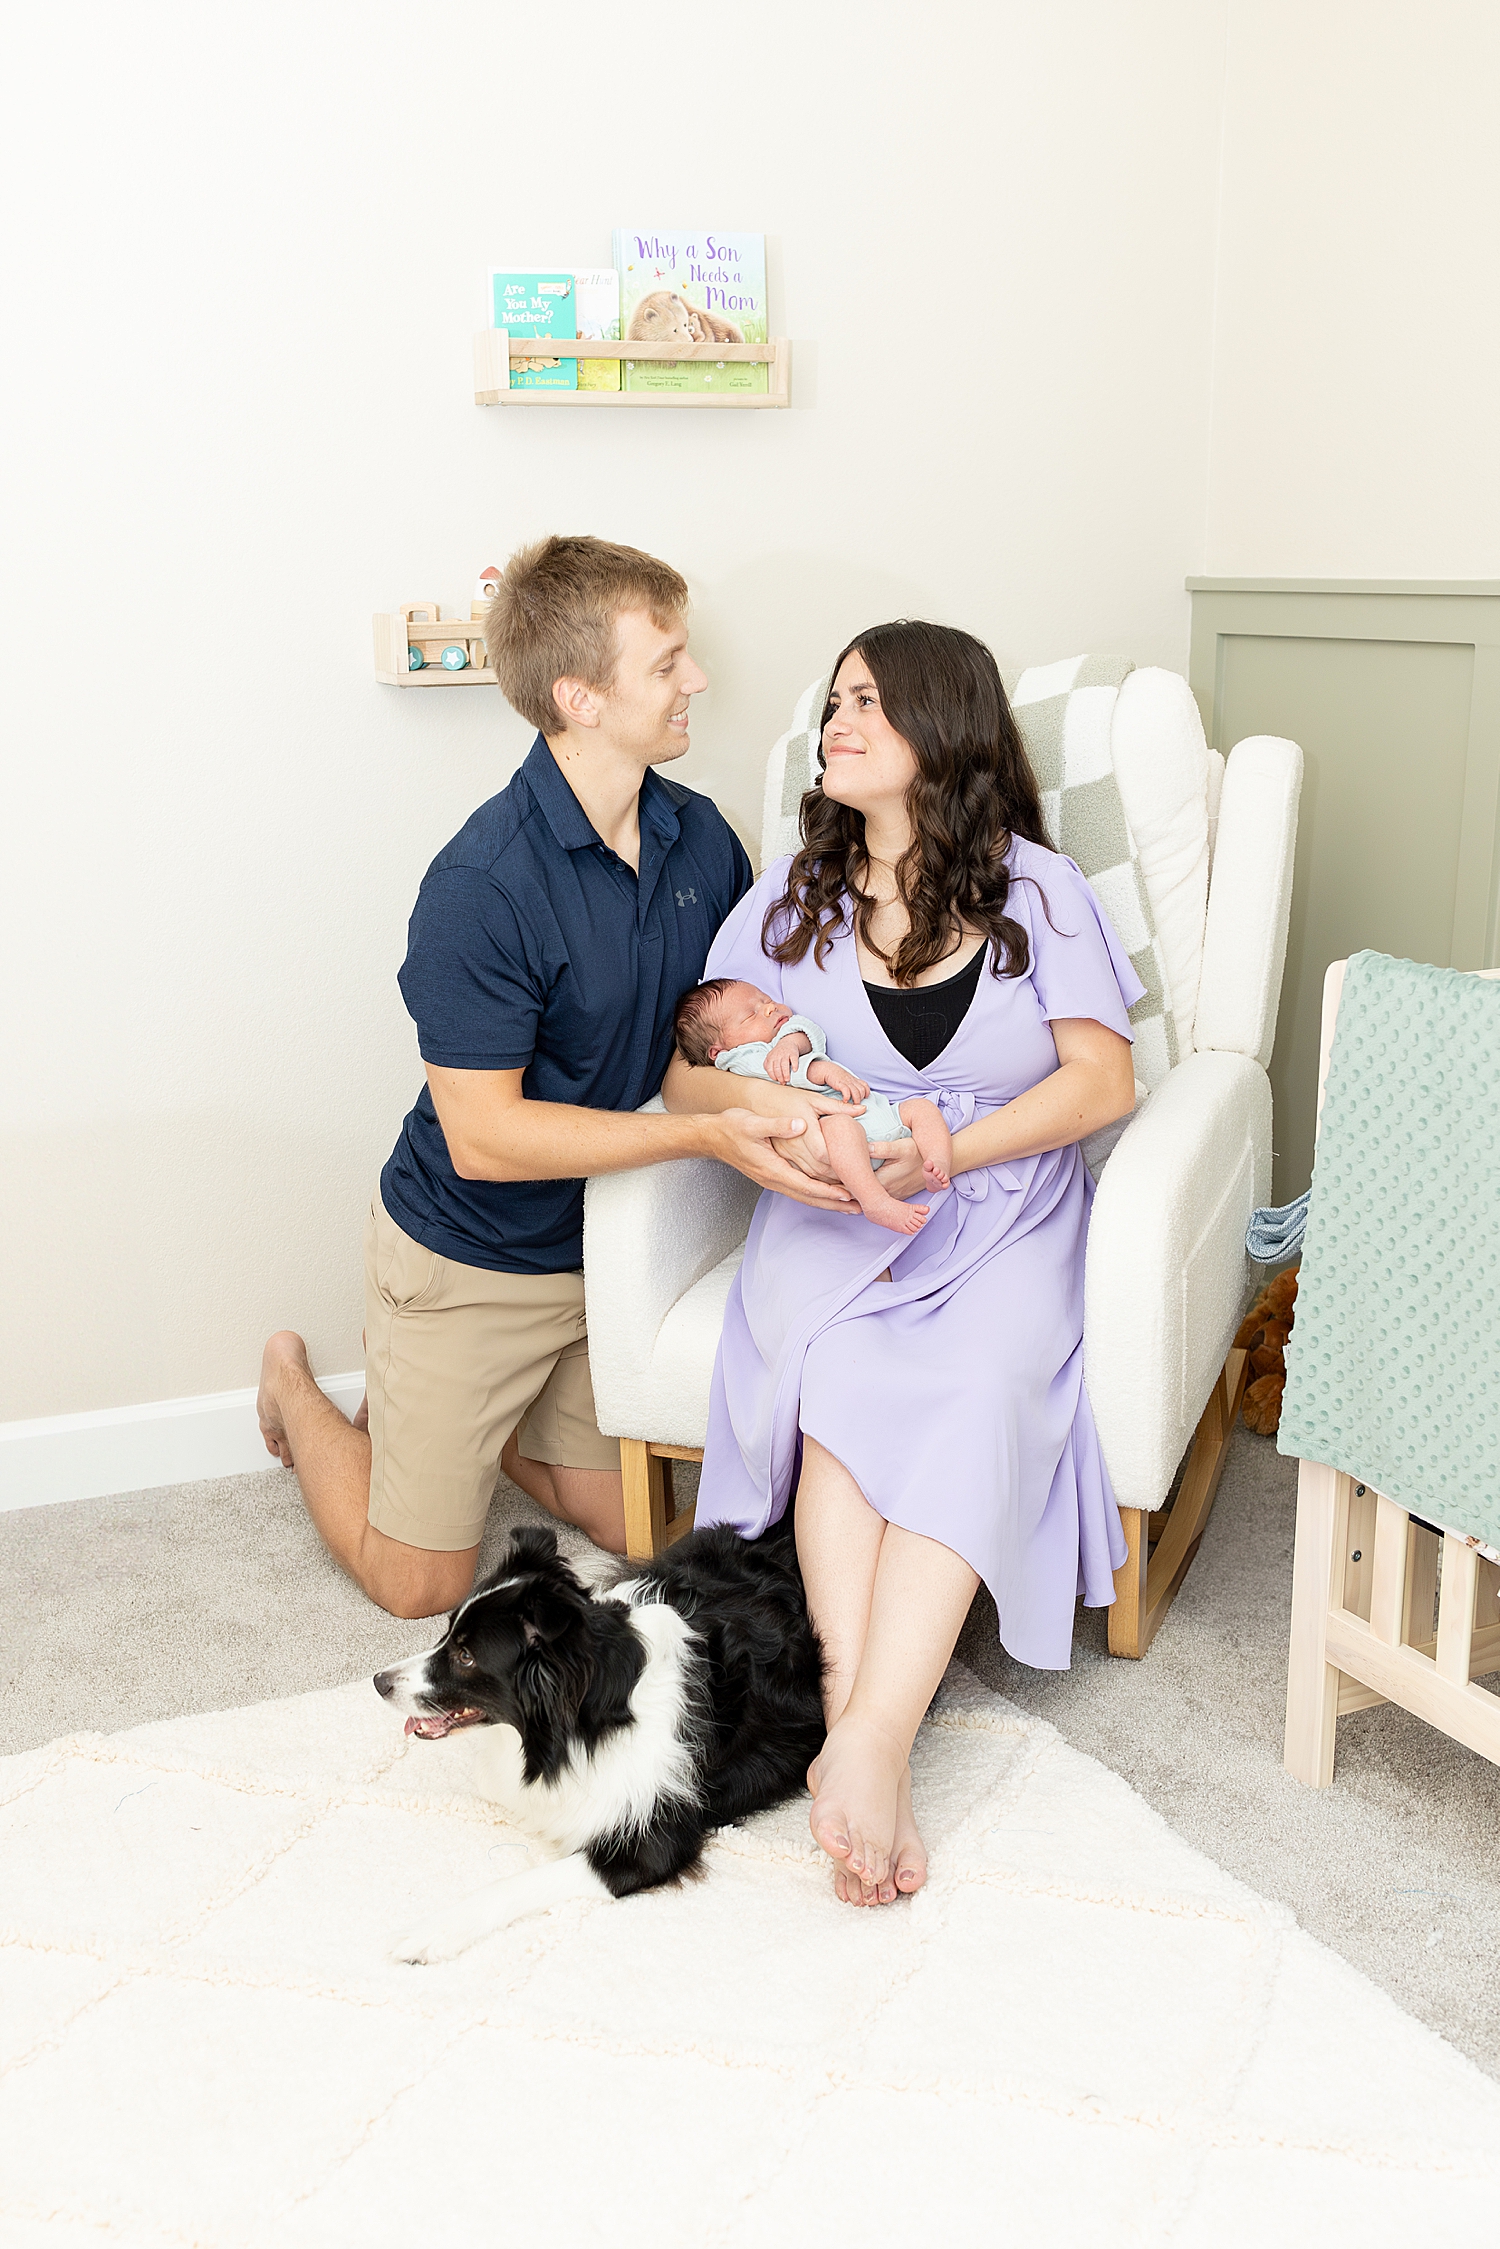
(425, 1946)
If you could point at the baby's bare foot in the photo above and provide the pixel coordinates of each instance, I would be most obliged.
(856, 1786)
(935, 1175)
(901, 1218)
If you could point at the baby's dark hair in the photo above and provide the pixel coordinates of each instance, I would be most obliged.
(694, 1021)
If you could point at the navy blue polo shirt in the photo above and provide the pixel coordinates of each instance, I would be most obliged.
(533, 947)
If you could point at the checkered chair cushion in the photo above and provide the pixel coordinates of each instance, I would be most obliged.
(1065, 713)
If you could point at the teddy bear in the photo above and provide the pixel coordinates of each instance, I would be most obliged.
(1263, 1333)
(665, 318)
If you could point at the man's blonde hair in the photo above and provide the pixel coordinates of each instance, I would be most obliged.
(554, 616)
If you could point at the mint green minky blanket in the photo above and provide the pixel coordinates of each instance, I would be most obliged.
(1393, 1366)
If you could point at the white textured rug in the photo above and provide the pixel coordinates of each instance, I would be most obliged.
(1080, 2028)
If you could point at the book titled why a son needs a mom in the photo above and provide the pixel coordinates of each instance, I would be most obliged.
(540, 305)
(698, 285)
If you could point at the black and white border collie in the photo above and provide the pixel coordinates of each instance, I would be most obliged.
(621, 1725)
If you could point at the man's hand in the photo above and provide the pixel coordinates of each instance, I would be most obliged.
(494, 1132)
(779, 1111)
(900, 1172)
(809, 1152)
(785, 1054)
(766, 1149)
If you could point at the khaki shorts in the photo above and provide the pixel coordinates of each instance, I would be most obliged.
(456, 1357)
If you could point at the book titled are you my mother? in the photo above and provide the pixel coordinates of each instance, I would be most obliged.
(697, 285)
(539, 305)
(559, 306)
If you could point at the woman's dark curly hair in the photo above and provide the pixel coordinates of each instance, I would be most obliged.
(973, 790)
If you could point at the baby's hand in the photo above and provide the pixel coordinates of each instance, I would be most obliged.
(784, 1056)
(838, 1080)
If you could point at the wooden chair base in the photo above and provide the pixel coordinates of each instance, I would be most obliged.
(1160, 1544)
(653, 1520)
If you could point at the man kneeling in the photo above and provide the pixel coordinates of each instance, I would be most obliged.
(548, 947)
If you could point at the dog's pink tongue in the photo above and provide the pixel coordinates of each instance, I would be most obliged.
(427, 1729)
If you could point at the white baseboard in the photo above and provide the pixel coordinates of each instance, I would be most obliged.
(136, 1448)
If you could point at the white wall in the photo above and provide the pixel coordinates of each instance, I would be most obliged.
(240, 417)
(1355, 431)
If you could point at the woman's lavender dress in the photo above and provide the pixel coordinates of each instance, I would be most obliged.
(953, 1393)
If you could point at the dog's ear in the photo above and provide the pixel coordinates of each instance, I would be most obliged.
(531, 1549)
(545, 1610)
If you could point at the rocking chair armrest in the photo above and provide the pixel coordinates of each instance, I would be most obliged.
(1166, 1270)
(648, 1237)
(1249, 899)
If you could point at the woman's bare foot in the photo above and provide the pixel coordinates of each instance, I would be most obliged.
(884, 1210)
(908, 1867)
(908, 1851)
(856, 1786)
(284, 1349)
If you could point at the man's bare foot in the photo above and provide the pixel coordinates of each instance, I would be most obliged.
(283, 1350)
(902, 1218)
(856, 1783)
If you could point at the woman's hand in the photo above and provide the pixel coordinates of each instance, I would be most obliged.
(900, 1172)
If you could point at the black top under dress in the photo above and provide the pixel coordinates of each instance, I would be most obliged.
(920, 1023)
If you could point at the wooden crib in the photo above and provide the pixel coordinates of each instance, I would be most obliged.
(1385, 1608)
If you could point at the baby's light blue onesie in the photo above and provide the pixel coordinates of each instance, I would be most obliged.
(881, 1119)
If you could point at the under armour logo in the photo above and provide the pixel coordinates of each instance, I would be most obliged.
(687, 897)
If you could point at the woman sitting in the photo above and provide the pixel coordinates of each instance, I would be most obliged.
(923, 1395)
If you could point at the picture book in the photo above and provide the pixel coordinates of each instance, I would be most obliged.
(540, 305)
(701, 285)
(597, 297)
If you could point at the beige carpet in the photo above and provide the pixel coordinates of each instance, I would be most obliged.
(1081, 2024)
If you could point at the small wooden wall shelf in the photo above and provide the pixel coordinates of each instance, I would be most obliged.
(494, 350)
(422, 625)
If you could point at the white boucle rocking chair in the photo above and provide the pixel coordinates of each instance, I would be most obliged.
(1166, 1271)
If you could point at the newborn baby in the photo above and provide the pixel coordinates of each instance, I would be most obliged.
(738, 1028)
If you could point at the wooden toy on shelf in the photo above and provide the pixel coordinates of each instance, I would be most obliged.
(495, 351)
(418, 647)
